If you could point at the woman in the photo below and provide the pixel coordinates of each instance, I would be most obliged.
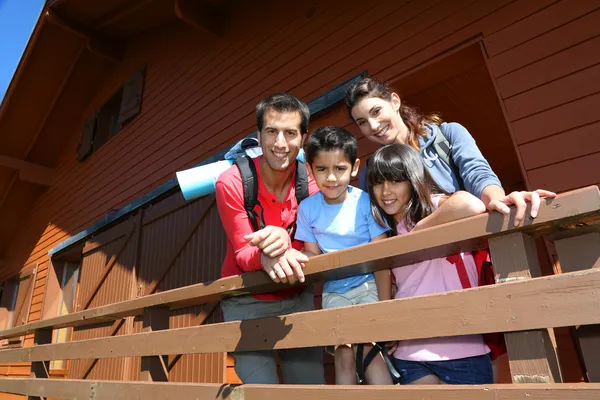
(384, 119)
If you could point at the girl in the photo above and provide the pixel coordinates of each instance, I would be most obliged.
(383, 118)
(405, 198)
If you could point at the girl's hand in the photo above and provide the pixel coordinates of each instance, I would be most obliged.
(519, 199)
(391, 347)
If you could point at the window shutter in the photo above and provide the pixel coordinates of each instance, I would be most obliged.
(131, 102)
(7, 302)
(24, 294)
(87, 137)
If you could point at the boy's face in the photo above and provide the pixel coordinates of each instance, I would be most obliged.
(332, 172)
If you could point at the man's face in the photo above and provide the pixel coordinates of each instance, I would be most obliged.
(281, 139)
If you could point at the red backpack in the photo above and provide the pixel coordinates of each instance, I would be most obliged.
(485, 272)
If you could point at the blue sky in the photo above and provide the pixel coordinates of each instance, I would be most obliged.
(17, 19)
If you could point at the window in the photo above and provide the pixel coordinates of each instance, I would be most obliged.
(15, 301)
(66, 305)
(112, 116)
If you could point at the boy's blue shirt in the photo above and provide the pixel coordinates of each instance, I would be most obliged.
(336, 227)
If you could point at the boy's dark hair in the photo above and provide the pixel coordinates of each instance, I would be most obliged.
(282, 102)
(327, 138)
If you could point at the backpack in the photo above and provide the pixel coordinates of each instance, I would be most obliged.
(250, 186)
(485, 270)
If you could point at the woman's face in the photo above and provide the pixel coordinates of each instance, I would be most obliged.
(379, 120)
(393, 197)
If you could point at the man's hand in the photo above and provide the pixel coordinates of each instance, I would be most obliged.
(519, 199)
(286, 268)
(273, 241)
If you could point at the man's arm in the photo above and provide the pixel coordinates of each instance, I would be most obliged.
(230, 203)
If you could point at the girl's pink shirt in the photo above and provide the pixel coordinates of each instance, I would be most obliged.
(429, 277)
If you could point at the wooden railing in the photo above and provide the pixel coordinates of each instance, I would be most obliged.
(522, 304)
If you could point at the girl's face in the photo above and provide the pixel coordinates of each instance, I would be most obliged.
(379, 120)
(393, 197)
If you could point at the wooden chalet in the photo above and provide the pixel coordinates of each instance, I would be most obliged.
(99, 251)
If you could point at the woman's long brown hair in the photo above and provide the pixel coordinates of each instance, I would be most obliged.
(369, 87)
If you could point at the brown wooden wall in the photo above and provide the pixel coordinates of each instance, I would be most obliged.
(200, 94)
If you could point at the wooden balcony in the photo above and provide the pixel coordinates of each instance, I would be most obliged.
(522, 304)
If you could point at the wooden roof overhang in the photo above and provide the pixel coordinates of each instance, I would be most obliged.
(66, 30)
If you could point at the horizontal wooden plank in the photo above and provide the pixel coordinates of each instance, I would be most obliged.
(551, 68)
(568, 174)
(109, 390)
(556, 120)
(574, 299)
(439, 241)
(553, 94)
(537, 24)
(561, 147)
(545, 45)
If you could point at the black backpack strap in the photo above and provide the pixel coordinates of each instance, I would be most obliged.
(301, 181)
(443, 148)
(363, 364)
(250, 187)
(360, 367)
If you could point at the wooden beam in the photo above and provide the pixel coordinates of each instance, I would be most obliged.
(200, 319)
(40, 369)
(532, 357)
(575, 254)
(574, 299)
(29, 172)
(121, 13)
(109, 390)
(154, 368)
(92, 363)
(201, 15)
(563, 212)
(174, 254)
(95, 44)
(107, 268)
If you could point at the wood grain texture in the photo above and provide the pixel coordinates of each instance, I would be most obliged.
(465, 235)
(564, 300)
(108, 390)
(531, 355)
(575, 254)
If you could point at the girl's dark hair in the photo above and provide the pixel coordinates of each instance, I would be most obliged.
(401, 162)
(369, 87)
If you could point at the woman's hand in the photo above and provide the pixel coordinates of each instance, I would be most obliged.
(520, 199)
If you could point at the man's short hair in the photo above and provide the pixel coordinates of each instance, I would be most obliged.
(329, 138)
(282, 103)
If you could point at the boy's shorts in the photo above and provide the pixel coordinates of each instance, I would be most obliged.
(475, 370)
(363, 294)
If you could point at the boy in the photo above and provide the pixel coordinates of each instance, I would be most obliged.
(338, 217)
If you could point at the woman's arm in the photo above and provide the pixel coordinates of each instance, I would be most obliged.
(480, 180)
(458, 206)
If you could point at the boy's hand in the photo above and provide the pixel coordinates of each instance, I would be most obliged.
(286, 268)
(273, 241)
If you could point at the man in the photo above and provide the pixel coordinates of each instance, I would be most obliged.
(282, 122)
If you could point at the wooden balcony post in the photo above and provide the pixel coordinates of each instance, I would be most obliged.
(532, 354)
(575, 254)
(154, 368)
(40, 369)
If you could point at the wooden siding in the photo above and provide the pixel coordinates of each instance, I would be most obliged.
(200, 93)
